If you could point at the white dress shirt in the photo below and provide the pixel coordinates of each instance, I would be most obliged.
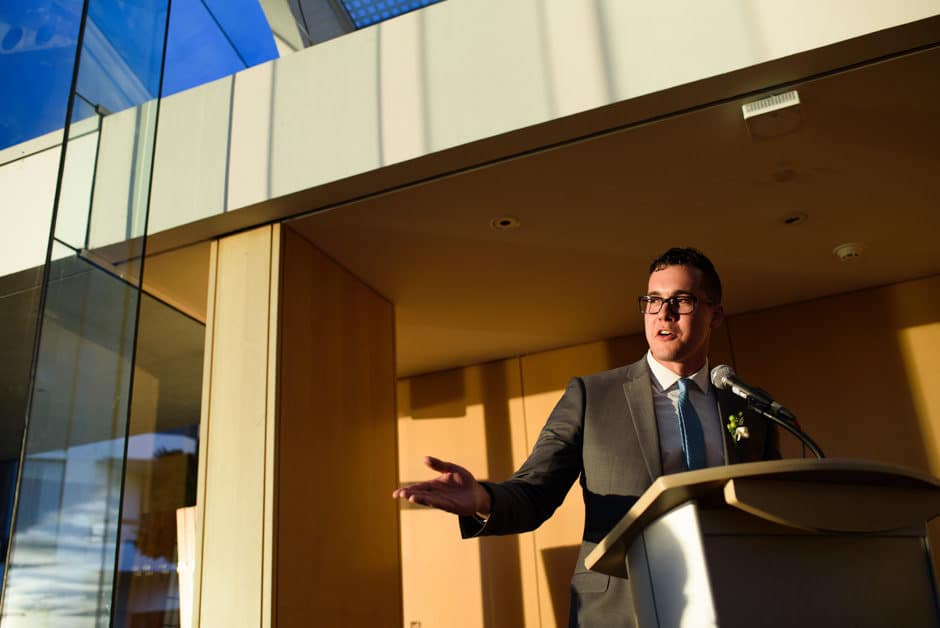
(666, 406)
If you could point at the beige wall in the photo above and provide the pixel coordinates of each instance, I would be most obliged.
(232, 583)
(860, 370)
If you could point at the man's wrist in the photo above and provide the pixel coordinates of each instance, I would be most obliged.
(484, 502)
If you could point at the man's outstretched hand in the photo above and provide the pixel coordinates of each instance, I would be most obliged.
(454, 490)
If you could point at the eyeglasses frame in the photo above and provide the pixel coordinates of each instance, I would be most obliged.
(671, 302)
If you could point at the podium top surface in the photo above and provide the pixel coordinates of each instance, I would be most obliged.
(831, 495)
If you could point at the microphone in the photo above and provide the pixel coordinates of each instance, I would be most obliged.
(724, 378)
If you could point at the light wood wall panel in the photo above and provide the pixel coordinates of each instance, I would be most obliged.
(854, 368)
(473, 417)
(337, 559)
(235, 467)
(298, 448)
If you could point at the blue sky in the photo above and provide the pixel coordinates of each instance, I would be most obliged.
(208, 39)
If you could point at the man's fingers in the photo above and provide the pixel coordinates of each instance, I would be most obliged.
(434, 500)
(439, 465)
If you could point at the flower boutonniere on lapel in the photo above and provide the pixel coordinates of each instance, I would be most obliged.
(737, 428)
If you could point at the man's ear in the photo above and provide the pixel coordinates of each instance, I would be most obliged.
(718, 316)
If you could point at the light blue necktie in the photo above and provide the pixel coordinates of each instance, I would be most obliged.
(690, 429)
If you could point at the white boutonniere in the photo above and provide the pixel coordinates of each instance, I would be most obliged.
(737, 428)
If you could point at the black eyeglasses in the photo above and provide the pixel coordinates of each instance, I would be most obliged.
(682, 304)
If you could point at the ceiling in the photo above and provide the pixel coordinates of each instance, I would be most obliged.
(863, 165)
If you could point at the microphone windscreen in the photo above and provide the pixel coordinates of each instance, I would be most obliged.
(720, 376)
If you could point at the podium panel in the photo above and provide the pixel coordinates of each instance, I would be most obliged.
(706, 567)
(783, 543)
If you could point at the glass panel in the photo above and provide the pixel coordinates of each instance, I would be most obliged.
(28, 183)
(63, 547)
(64, 542)
(119, 71)
(367, 12)
(37, 54)
(212, 39)
(19, 309)
(154, 579)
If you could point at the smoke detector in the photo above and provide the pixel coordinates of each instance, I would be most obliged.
(848, 252)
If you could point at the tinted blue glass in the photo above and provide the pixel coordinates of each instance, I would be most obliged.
(37, 53)
(367, 12)
(122, 53)
(247, 27)
(210, 40)
(197, 51)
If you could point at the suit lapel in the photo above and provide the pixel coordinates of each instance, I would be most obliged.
(640, 406)
(752, 448)
(727, 405)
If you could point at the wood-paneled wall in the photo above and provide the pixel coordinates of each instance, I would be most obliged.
(298, 451)
(861, 370)
(236, 482)
(337, 558)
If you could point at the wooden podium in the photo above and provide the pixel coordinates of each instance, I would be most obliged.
(781, 543)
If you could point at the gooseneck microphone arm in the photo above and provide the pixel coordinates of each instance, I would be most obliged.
(789, 425)
(724, 378)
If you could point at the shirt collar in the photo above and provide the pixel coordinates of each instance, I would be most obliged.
(667, 379)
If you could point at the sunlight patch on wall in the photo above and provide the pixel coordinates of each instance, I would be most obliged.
(920, 350)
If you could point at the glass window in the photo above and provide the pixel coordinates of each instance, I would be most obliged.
(155, 553)
(367, 12)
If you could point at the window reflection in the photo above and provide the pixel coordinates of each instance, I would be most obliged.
(61, 553)
(19, 307)
(64, 546)
(152, 580)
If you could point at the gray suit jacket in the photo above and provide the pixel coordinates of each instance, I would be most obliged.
(604, 432)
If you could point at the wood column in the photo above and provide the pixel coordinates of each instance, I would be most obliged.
(295, 524)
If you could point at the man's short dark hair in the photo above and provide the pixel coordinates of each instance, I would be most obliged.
(688, 256)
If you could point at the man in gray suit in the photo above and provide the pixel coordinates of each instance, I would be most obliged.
(617, 431)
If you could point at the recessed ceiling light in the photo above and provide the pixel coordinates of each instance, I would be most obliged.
(505, 223)
(848, 252)
(795, 218)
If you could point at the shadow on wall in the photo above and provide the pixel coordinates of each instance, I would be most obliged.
(838, 364)
(859, 371)
(559, 565)
(499, 556)
(440, 395)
